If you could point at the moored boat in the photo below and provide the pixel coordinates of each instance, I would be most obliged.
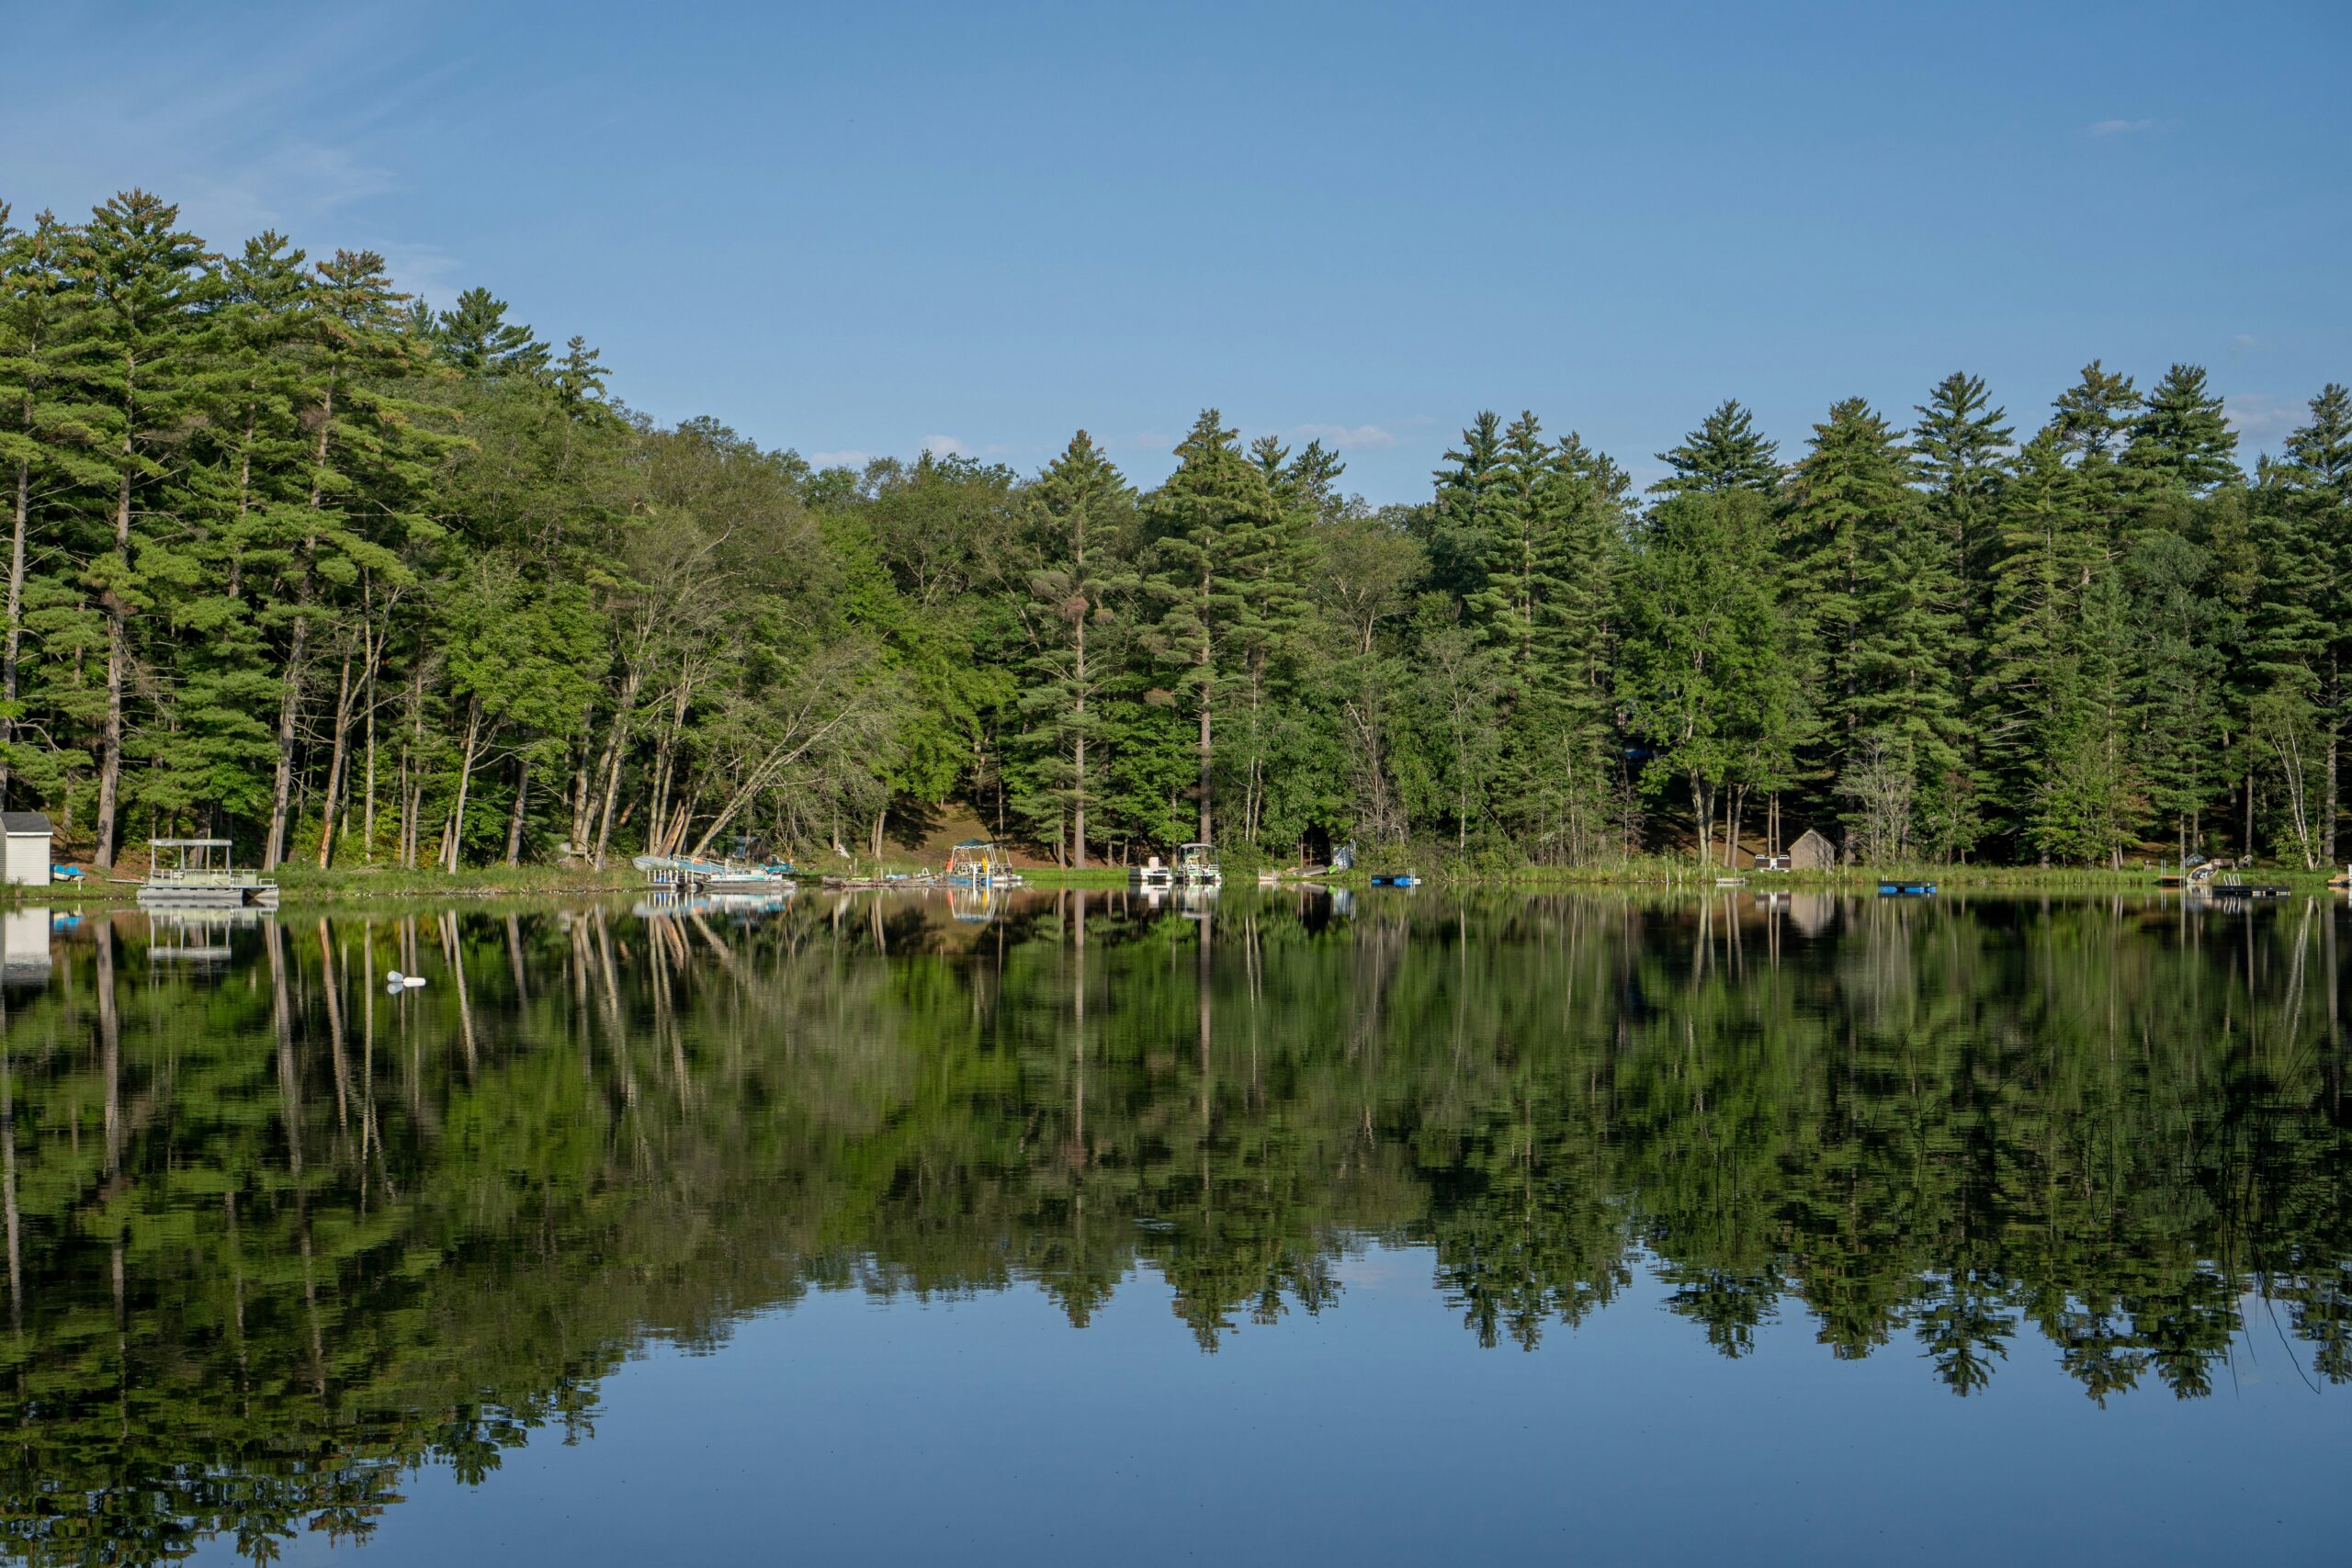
(197, 873)
(1196, 866)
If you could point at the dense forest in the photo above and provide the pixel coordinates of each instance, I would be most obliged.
(274, 1239)
(298, 558)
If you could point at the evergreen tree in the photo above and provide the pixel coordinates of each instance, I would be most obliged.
(1518, 553)
(1079, 511)
(1589, 500)
(1959, 453)
(365, 460)
(40, 415)
(2058, 664)
(2179, 670)
(1849, 505)
(479, 340)
(1460, 519)
(140, 366)
(2095, 415)
(1907, 649)
(2301, 635)
(2182, 436)
(1214, 536)
(1726, 452)
(1306, 484)
(1706, 655)
(2319, 456)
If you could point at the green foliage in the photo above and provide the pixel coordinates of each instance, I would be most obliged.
(301, 559)
(1725, 453)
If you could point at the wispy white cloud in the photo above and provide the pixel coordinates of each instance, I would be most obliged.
(945, 446)
(2244, 344)
(849, 459)
(2260, 419)
(427, 270)
(2120, 127)
(1346, 437)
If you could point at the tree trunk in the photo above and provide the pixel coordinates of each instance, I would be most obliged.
(2247, 852)
(367, 817)
(583, 800)
(1207, 701)
(616, 748)
(117, 650)
(413, 772)
(291, 699)
(1078, 749)
(2327, 805)
(522, 804)
(9, 650)
(453, 837)
(338, 753)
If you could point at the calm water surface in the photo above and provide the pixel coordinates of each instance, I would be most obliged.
(1065, 1229)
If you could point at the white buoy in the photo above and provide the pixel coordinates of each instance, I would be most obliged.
(412, 980)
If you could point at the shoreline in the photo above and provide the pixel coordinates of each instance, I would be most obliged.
(306, 887)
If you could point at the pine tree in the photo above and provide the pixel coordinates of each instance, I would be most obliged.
(39, 315)
(1908, 648)
(2095, 415)
(579, 376)
(208, 736)
(1460, 519)
(2303, 631)
(2178, 675)
(1708, 671)
(2050, 548)
(366, 456)
(1878, 596)
(1959, 453)
(140, 362)
(2182, 436)
(2092, 424)
(1305, 485)
(1208, 532)
(1080, 509)
(479, 340)
(1582, 558)
(1516, 552)
(1725, 453)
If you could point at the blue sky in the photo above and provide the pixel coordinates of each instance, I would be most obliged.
(861, 229)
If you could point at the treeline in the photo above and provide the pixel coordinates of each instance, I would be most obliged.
(297, 558)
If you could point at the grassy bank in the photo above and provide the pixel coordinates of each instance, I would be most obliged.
(1653, 871)
(304, 883)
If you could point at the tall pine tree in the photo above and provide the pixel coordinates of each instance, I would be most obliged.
(1213, 535)
(1079, 511)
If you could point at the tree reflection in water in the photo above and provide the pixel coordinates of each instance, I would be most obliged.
(276, 1235)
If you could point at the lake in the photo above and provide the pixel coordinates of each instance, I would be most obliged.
(1273, 1227)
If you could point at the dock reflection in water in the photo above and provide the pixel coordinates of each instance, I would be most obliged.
(276, 1239)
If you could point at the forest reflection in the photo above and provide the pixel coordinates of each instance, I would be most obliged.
(276, 1234)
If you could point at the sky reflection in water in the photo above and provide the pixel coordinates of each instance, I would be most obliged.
(1833, 1228)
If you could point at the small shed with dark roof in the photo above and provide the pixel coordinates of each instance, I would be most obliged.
(27, 859)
